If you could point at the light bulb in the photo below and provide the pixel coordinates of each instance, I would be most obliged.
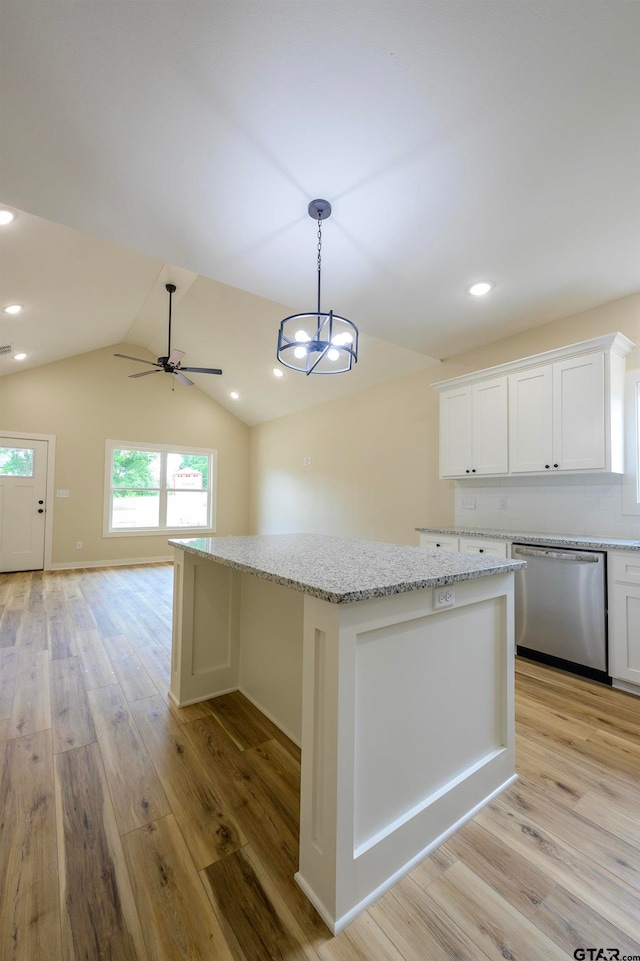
(300, 352)
(479, 290)
(333, 354)
(302, 336)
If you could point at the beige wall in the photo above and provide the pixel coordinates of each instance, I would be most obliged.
(374, 467)
(85, 400)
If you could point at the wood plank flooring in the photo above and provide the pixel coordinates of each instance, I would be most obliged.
(131, 830)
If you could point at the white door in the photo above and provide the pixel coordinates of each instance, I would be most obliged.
(489, 432)
(455, 432)
(578, 413)
(23, 485)
(531, 420)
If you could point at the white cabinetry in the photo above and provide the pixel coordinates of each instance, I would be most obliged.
(476, 545)
(465, 545)
(557, 416)
(624, 617)
(558, 411)
(473, 429)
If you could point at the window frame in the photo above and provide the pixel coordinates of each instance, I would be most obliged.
(631, 479)
(163, 450)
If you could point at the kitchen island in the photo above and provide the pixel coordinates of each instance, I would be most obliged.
(391, 667)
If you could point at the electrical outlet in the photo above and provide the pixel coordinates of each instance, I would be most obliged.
(443, 597)
(502, 503)
(468, 503)
(78, 545)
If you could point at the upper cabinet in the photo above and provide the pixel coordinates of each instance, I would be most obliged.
(553, 412)
(473, 429)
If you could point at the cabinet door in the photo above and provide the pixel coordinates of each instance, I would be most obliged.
(531, 420)
(624, 632)
(455, 432)
(578, 413)
(489, 433)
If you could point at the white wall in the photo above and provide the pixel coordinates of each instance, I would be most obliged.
(558, 505)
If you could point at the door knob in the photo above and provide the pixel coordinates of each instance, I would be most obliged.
(40, 502)
(40, 510)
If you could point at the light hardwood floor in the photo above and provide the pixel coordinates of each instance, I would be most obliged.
(134, 831)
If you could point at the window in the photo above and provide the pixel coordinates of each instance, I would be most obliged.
(631, 483)
(156, 488)
(16, 462)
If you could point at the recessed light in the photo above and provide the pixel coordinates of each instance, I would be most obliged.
(6, 216)
(234, 395)
(479, 290)
(277, 372)
(13, 309)
(19, 356)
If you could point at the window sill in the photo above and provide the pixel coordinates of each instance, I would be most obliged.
(165, 532)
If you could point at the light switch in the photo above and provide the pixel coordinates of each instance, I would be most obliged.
(62, 493)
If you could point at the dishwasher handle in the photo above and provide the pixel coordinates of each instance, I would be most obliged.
(553, 554)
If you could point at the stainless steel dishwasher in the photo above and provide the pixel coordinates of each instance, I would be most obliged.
(561, 608)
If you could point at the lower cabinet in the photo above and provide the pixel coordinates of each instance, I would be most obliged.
(624, 616)
(466, 545)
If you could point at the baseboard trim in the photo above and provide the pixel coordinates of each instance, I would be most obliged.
(124, 562)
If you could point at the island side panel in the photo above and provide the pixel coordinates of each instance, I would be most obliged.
(416, 709)
(206, 629)
(271, 651)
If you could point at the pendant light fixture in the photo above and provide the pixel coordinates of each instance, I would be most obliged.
(317, 342)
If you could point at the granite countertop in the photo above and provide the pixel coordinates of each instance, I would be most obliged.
(587, 542)
(342, 570)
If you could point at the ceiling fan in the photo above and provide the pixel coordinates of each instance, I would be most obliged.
(171, 363)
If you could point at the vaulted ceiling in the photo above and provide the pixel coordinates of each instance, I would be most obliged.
(145, 142)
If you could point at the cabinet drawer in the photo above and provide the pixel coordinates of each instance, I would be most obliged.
(476, 545)
(624, 568)
(432, 542)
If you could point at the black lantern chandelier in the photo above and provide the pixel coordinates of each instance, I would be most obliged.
(317, 342)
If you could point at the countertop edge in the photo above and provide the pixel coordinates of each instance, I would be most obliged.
(527, 537)
(500, 566)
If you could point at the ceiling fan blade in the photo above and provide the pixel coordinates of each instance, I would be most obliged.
(183, 380)
(143, 373)
(202, 370)
(139, 359)
(175, 357)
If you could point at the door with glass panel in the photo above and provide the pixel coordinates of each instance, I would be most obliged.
(23, 484)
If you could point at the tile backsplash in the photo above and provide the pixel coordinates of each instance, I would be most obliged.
(558, 505)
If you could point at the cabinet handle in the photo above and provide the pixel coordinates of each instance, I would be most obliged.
(481, 550)
(438, 545)
(556, 465)
(547, 466)
(467, 471)
(473, 471)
